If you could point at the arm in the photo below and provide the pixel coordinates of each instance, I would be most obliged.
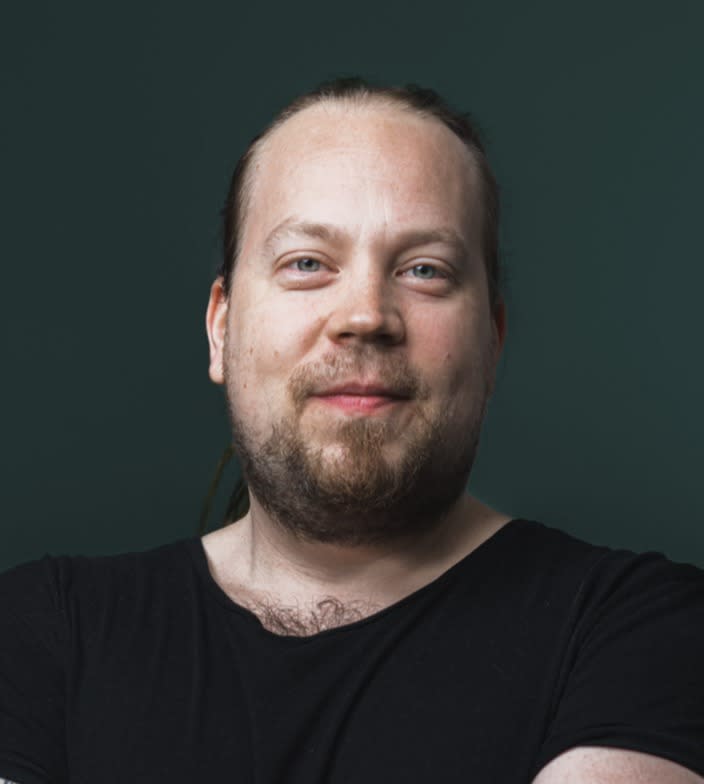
(591, 765)
(32, 676)
(634, 681)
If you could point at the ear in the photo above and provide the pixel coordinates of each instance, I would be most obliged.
(216, 325)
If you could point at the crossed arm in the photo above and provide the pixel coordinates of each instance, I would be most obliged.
(585, 765)
(589, 765)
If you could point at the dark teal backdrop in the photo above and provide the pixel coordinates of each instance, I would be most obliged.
(121, 123)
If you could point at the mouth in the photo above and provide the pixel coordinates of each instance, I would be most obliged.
(360, 397)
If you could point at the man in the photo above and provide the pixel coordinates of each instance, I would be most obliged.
(366, 620)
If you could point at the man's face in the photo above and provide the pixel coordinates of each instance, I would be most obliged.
(357, 348)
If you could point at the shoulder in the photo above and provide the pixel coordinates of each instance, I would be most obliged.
(599, 574)
(636, 595)
(59, 586)
(630, 679)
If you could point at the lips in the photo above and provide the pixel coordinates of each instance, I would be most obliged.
(360, 397)
(361, 390)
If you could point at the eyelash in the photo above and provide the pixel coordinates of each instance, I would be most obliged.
(440, 274)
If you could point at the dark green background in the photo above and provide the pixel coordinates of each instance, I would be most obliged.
(120, 126)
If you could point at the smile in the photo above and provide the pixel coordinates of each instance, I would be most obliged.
(359, 403)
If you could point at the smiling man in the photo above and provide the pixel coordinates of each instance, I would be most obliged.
(356, 411)
(366, 620)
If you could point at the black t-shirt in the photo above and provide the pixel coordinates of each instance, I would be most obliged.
(138, 668)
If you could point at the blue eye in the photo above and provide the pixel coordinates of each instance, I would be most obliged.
(307, 264)
(425, 271)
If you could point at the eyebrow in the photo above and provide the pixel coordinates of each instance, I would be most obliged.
(334, 235)
(292, 227)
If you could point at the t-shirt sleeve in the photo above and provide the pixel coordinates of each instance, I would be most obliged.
(634, 671)
(32, 675)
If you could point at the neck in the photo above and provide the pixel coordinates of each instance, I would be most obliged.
(257, 557)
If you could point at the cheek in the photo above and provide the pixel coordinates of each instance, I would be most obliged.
(449, 346)
(269, 337)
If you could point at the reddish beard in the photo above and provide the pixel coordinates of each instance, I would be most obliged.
(359, 497)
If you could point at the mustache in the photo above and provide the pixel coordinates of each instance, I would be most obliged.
(392, 372)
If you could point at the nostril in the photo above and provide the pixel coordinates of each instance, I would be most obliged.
(366, 318)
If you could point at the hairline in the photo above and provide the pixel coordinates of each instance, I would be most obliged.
(358, 100)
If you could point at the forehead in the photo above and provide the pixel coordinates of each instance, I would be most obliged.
(367, 168)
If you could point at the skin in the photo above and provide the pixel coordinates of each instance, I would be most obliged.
(374, 174)
(592, 765)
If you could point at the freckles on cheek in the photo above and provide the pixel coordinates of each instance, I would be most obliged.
(445, 345)
(460, 364)
(268, 354)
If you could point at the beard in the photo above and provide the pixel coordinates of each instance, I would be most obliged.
(348, 491)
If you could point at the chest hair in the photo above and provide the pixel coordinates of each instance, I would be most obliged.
(297, 621)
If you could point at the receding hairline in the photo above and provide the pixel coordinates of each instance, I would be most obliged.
(360, 100)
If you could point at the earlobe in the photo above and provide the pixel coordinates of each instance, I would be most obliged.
(215, 325)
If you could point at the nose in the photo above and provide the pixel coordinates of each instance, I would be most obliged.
(366, 310)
